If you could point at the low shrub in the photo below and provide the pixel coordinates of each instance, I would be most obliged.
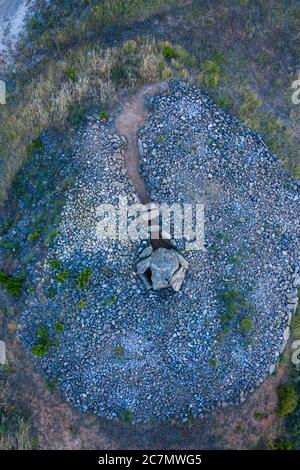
(13, 285)
(282, 444)
(62, 276)
(43, 343)
(287, 399)
(58, 327)
(103, 115)
(245, 325)
(119, 350)
(83, 279)
(126, 416)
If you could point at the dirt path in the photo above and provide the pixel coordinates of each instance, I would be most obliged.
(132, 117)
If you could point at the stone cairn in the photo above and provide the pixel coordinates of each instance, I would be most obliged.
(161, 268)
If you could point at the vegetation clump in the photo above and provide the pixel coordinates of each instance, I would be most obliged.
(245, 325)
(44, 342)
(126, 416)
(12, 284)
(62, 277)
(83, 279)
(287, 399)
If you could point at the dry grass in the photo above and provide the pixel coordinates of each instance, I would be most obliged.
(18, 438)
(61, 24)
(96, 77)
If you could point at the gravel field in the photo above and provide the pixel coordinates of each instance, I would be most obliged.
(121, 352)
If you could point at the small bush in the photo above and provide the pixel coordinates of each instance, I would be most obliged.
(70, 73)
(169, 52)
(258, 415)
(235, 259)
(126, 416)
(62, 276)
(13, 285)
(224, 101)
(83, 279)
(36, 146)
(51, 384)
(282, 444)
(109, 300)
(54, 264)
(59, 327)
(213, 363)
(39, 350)
(50, 237)
(44, 342)
(77, 115)
(82, 304)
(287, 399)
(103, 115)
(119, 350)
(33, 236)
(245, 325)
(234, 302)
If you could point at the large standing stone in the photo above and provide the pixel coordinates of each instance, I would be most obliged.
(164, 263)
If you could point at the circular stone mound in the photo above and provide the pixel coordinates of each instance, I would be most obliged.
(155, 355)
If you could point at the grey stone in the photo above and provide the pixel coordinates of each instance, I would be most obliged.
(296, 281)
(140, 147)
(286, 334)
(143, 265)
(292, 307)
(293, 296)
(163, 265)
(182, 261)
(2, 353)
(272, 369)
(178, 278)
(145, 281)
(146, 252)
